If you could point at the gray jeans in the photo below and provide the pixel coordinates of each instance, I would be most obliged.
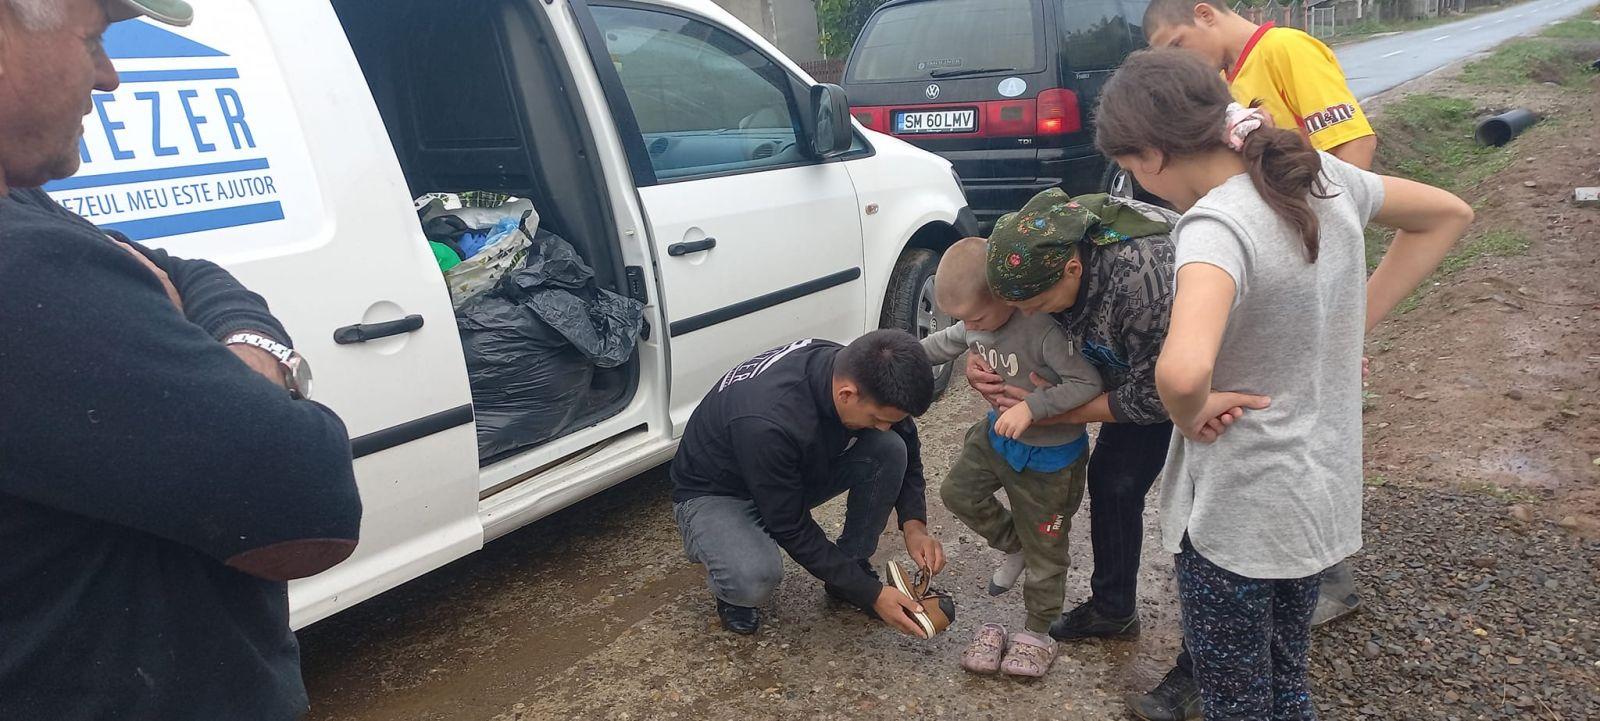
(743, 566)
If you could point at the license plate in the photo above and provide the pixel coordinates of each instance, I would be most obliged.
(936, 121)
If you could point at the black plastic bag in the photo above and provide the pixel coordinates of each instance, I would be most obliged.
(560, 288)
(533, 342)
(528, 382)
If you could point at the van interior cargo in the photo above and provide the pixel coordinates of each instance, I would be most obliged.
(473, 100)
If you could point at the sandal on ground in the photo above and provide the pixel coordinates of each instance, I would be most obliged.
(988, 646)
(1028, 656)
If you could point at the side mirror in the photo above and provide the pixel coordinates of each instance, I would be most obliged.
(831, 133)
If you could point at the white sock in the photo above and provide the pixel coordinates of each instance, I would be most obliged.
(1043, 638)
(1009, 571)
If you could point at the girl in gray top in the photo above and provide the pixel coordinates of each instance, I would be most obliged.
(1261, 369)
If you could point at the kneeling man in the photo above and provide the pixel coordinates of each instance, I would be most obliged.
(785, 432)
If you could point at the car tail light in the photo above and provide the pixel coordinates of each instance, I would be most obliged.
(873, 118)
(1008, 118)
(1058, 112)
(1054, 112)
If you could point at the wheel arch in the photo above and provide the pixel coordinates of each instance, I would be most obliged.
(936, 236)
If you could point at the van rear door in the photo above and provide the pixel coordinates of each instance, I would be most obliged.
(961, 78)
(277, 166)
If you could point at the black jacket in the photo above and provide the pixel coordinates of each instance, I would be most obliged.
(766, 432)
(1120, 317)
(140, 463)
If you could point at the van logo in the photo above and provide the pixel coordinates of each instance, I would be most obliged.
(175, 150)
(932, 92)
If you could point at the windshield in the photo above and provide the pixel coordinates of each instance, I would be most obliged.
(937, 38)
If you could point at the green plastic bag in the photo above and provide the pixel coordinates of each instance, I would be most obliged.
(446, 257)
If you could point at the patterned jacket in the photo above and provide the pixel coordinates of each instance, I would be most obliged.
(1120, 319)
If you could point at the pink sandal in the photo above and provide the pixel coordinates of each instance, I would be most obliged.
(1028, 657)
(988, 645)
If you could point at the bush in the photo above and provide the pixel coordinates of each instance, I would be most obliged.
(839, 22)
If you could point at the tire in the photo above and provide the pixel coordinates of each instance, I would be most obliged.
(909, 304)
(1119, 183)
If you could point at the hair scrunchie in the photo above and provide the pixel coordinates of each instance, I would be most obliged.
(1241, 122)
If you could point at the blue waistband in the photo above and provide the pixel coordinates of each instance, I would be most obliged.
(1043, 459)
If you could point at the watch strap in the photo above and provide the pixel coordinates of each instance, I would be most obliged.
(278, 350)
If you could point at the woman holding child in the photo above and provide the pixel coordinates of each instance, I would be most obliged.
(1270, 307)
(1105, 280)
(1043, 379)
(1041, 467)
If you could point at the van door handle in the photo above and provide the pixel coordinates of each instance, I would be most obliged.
(694, 246)
(363, 332)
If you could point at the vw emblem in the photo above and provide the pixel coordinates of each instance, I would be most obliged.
(932, 92)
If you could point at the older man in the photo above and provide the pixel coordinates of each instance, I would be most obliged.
(161, 473)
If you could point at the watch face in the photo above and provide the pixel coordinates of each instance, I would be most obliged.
(300, 377)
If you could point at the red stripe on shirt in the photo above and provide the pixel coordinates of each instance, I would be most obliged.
(1233, 72)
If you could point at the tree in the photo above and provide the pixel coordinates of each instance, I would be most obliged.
(839, 22)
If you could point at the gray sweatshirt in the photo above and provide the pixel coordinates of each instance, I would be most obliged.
(1028, 344)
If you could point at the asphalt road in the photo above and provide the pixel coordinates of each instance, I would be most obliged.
(1379, 64)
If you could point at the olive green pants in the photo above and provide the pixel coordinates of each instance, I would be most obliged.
(1037, 524)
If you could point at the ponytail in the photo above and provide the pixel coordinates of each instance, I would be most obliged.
(1170, 101)
(1287, 172)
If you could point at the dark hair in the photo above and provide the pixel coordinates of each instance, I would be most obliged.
(1166, 13)
(890, 368)
(1167, 100)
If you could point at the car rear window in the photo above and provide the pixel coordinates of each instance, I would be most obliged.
(923, 40)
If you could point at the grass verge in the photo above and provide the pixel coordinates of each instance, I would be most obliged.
(1539, 60)
(1428, 138)
(1575, 29)
(1368, 27)
(1558, 55)
(1492, 244)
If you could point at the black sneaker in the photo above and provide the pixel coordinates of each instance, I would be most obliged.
(1086, 621)
(742, 620)
(1176, 699)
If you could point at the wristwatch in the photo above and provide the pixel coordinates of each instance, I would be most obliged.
(296, 371)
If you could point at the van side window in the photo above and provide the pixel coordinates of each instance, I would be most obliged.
(1095, 35)
(706, 102)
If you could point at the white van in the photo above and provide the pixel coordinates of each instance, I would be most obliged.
(692, 165)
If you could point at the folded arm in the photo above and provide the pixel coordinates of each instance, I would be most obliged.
(118, 408)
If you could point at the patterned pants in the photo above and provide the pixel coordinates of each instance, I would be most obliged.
(1037, 524)
(1249, 639)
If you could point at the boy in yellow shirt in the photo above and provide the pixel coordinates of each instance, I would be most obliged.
(1294, 76)
(1296, 79)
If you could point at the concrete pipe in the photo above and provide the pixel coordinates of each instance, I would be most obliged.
(1498, 130)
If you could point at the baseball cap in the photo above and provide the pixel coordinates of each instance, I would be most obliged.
(171, 12)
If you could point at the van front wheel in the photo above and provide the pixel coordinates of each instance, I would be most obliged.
(909, 304)
(1119, 183)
